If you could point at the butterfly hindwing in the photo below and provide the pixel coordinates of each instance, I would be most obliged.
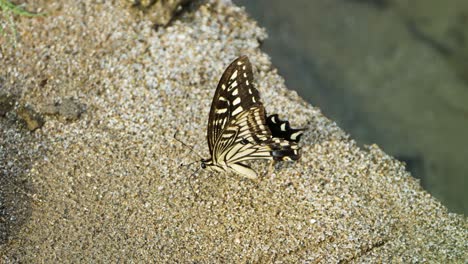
(282, 129)
(249, 141)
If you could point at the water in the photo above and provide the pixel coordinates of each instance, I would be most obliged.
(390, 73)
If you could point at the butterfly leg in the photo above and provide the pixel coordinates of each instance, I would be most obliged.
(271, 167)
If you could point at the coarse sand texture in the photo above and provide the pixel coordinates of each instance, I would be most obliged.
(101, 179)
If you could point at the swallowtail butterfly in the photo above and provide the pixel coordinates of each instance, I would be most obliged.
(238, 128)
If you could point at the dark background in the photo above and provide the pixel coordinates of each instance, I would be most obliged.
(389, 72)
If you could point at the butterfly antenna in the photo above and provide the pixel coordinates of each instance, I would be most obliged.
(194, 171)
(185, 145)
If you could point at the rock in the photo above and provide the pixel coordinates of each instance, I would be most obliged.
(160, 12)
(68, 109)
(7, 102)
(30, 117)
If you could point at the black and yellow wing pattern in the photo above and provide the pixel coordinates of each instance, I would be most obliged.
(239, 129)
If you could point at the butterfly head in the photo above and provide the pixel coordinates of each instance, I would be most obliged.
(206, 163)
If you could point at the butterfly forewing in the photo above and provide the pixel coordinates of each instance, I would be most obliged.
(235, 93)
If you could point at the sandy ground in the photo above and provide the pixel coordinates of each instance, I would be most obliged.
(109, 186)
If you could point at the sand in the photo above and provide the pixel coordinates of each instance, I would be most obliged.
(108, 185)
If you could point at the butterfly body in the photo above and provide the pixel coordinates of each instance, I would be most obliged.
(238, 130)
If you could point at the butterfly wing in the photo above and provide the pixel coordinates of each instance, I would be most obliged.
(235, 93)
(244, 136)
(237, 126)
(247, 137)
(281, 129)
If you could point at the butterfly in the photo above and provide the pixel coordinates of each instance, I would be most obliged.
(239, 129)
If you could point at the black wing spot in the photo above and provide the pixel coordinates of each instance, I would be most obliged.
(282, 129)
(283, 152)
